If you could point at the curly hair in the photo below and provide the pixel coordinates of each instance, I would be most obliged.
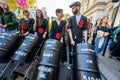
(107, 25)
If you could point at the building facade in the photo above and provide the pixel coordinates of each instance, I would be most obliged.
(95, 9)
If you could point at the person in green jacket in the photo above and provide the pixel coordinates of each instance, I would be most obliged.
(9, 18)
(1, 21)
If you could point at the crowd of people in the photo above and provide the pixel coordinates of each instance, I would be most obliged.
(77, 29)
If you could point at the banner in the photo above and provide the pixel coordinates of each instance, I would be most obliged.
(22, 4)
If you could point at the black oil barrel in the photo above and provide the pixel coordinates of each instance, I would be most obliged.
(48, 65)
(28, 49)
(85, 65)
(9, 43)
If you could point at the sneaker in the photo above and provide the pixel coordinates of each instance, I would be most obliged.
(69, 66)
(118, 58)
(110, 56)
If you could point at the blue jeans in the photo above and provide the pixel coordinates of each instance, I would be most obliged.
(98, 50)
(2, 30)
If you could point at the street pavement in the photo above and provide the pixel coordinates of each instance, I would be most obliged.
(109, 67)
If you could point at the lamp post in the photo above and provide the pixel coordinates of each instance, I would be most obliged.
(115, 12)
(113, 21)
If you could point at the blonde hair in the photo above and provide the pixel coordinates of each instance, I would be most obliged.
(107, 25)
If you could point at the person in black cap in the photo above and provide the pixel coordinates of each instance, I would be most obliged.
(77, 28)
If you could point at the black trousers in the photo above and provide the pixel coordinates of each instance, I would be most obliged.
(72, 50)
(63, 53)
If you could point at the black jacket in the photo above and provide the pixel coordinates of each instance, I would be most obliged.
(28, 24)
(57, 31)
(41, 29)
(77, 32)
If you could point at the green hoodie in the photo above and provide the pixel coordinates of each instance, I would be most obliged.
(10, 20)
(1, 21)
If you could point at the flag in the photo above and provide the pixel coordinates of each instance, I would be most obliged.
(22, 4)
(17, 12)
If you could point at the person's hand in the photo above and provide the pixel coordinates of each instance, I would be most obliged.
(4, 26)
(1, 25)
(73, 42)
(61, 40)
(44, 36)
(91, 38)
(85, 42)
(106, 33)
(35, 33)
(25, 34)
(16, 32)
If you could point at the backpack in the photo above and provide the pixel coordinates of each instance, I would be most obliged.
(114, 33)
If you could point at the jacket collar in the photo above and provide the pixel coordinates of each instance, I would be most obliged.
(75, 19)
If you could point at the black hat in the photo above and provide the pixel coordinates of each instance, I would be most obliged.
(58, 10)
(76, 3)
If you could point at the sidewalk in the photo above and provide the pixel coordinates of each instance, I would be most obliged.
(109, 67)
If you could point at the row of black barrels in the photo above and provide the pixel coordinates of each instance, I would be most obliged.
(9, 42)
(26, 48)
(16, 49)
(85, 65)
(84, 61)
